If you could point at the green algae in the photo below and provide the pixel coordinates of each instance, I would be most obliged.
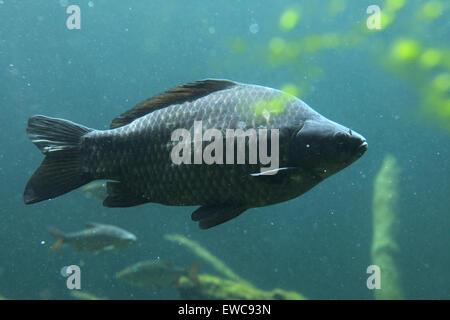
(228, 288)
(212, 287)
(83, 295)
(204, 254)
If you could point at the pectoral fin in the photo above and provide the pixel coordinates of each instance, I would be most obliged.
(211, 216)
(276, 176)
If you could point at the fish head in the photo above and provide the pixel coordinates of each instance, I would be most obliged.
(122, 239)
(127, 238)
(323, 147)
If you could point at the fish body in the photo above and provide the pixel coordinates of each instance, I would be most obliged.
(95, 238)
(137, 153)
(156, 273)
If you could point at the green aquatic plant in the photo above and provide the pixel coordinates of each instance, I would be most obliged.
(292, 89)
(389, 12)
(238, 45)
(216, 288)
(2, 297)
(204, 254)
(335, 7)
(385, 249)
(431, 10)
(275, 106)
(431, 58)
(405, 52)
(426, 69)
(83, 295)
(290, 18)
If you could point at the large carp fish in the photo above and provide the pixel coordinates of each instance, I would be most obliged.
(201, 144)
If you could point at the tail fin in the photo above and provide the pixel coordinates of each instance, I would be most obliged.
(60, 172)
(191, 273)
(59, 235)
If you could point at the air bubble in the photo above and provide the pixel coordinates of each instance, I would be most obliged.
(64, 272)
(254, 28)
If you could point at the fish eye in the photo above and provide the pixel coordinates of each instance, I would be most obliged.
(350, 131)
(340, 138)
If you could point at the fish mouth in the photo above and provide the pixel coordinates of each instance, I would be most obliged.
(362, 148)
(131, 238)
(358, 152)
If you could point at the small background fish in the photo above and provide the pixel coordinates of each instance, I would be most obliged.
(157, 273)
(95, 238)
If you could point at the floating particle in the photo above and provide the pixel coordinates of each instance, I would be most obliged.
(254, 28)
(64, 272)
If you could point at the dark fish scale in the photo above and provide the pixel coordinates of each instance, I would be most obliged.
(140, 158)
(135, 154)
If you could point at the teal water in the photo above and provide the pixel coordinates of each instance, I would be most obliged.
(318, 244)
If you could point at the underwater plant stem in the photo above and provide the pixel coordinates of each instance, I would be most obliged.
(201, 252)
(385, 249)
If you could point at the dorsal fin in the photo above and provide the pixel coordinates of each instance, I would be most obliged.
(176, 95)
(91, 225)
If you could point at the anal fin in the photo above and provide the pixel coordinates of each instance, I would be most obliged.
(120, 197)
(211, 216)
